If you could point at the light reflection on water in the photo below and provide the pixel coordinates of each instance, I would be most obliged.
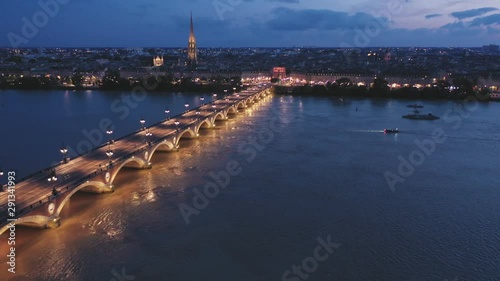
(322, 175)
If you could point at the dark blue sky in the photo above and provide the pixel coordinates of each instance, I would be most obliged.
(240, 23)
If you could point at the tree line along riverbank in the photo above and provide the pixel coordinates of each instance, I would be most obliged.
(458, 89)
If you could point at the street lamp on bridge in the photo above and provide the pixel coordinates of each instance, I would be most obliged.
(202, 99)
(187, 106)
(167, 111)
(63, 151)
(148, 135)
(198, 116)
(176, 126)
(109, 151)
(52, 176)
(142, 121)
(109, 132)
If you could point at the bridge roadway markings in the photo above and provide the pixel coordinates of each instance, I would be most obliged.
(37, 188)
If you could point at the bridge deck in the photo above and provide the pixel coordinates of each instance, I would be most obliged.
(36, 190)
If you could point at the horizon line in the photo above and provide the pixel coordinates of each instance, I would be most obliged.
(241, 47)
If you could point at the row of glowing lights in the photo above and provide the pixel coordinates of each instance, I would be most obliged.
(142, 121)
(109, 152)
(53, 176)
(396, 85)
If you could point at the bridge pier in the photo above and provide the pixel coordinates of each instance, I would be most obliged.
(54, 222)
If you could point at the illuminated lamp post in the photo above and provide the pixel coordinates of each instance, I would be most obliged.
(53, 178)
(109, 153)
(142, 121)
(63, 151)
(148, 135)
(109, 132)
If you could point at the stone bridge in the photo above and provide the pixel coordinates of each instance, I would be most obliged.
(39, 202)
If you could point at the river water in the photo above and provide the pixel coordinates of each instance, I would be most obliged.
(309, 170)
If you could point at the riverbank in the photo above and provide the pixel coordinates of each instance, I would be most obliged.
(115, 83)
(150, 88)
(401, 93)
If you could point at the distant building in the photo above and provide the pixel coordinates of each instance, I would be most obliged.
(279, 73)
(255, 76)
(495, 96)
(387, 56)
(192, 51)
(158, 61)
(491, 48)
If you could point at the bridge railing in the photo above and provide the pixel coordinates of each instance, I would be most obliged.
(100, 171)
(46, 170)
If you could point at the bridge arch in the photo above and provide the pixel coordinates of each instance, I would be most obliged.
(187, 133)
(133, 162)
(90, 186)
(240, 105)
(219, 116)
(204, 124)
(37, 221)
(162, 146)
(232, 110)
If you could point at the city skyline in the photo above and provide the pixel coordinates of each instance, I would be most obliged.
(257, 23)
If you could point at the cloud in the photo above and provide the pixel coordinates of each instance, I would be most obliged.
(488, 20)
(472, 13)
(433, 16)
(286, 19)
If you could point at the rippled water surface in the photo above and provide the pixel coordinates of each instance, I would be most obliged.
(317, 173)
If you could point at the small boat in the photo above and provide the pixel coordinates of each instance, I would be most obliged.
(418, 116)
(391, 131)
(415, 106)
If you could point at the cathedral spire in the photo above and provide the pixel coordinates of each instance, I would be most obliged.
(192, 51)
(191, 32)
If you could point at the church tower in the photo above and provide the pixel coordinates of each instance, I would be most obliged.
(158, 61)
(192, 52)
